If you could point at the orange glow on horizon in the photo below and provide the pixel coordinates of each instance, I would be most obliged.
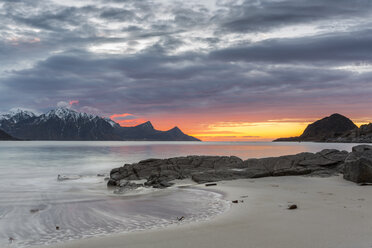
(209, 129)
(250, 131)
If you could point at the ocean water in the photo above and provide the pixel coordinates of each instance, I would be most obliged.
(33, 202)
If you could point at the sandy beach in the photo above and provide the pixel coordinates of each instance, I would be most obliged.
(331, 212)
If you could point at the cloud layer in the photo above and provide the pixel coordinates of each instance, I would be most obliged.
(229, 60)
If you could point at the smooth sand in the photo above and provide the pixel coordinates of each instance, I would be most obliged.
(331, 213)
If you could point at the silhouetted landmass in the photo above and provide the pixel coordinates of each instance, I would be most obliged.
(325, 130)
(67, 124)
(358, 135)
(5, 136)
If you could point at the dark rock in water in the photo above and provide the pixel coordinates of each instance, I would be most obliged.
(358, 165)
(210, 184)
(125, 186)
(112, 183)
(71, 177)
(292, 207)
(156, 181)
(324, 130)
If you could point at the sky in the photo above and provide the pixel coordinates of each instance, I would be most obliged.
(217, 69)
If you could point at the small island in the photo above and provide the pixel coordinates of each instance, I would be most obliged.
(334, 128)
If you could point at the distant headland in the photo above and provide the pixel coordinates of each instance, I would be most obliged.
(334, 128)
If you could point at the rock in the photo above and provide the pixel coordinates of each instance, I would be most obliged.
(359, 170)
(210, 184)
(358, 165)
(357, 135)
(125, 186)
(361, 148)
(64, 177)
(112, 183)
(156, 181)
(159, 172)
(292, 207)
(205, 169)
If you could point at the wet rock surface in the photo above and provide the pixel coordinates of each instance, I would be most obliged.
(358, 165)
(158, 173)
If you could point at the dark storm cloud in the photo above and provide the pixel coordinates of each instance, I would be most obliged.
(168, 57)
(143, 86)
(336, 48)
(118, 14)
(252, 16)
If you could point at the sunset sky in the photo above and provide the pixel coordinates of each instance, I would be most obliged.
(217, 69)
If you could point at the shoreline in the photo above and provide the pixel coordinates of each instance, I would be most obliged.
(331, 212)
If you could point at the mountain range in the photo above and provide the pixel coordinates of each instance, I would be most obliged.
(5, 136)
(68, 124)
(334, 128)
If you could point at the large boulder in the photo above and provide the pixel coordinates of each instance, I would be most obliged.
(358, 165)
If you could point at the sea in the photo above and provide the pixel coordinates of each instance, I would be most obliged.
(37, 209)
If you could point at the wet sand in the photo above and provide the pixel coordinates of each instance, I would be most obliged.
(331, 213)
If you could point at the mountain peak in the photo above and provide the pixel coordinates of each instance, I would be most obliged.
(175, 129)
(67, 113)
(146, 125)
(327, 128)
(16, 111)
(60, 111)
(17, 114)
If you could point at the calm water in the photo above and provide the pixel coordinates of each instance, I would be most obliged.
(84, 207)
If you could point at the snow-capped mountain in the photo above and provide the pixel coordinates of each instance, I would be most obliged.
(17, 115)
(69, 115)
(68, 124)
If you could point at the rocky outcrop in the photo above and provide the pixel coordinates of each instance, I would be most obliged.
(159, 172)
(202, 169)
(358, 165)
(357, 135)
(326, 129)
